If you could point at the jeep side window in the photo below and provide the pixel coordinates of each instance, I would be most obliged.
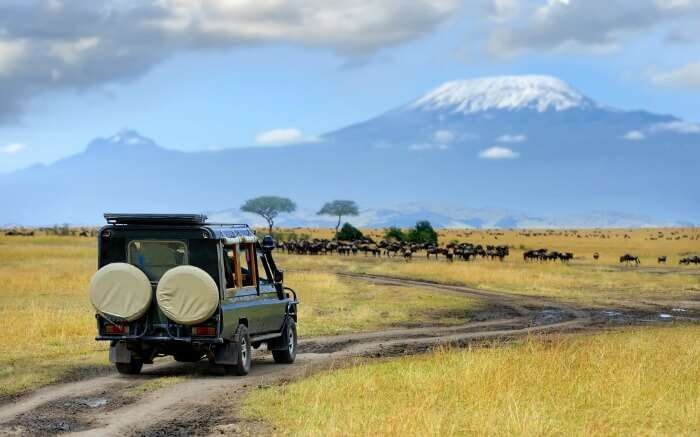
(248, 267)
(228, 269)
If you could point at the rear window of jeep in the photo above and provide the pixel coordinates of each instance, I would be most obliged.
(156, 257)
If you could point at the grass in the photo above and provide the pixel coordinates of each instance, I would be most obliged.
(48, 324)
(603, 282)
(332, 305)
(637, 382)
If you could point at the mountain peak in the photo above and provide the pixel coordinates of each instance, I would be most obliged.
(123, 138)
(539, 93)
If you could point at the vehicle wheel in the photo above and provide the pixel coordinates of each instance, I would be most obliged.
(242, 367)
(132, 368)
(289, 333)
(188, 357)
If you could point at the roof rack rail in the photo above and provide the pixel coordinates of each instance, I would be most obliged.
(229, 225)
(150, 219)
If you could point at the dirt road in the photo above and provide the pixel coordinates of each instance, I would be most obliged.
(204, 401)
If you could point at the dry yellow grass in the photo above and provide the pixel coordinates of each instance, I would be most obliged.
(332, 305)
(584, 280)
(48, 324)
(639, 382)
(610, 243)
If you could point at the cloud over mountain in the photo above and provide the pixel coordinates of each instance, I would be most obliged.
(48, 45)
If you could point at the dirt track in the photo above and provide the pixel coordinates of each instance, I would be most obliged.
(206, 401)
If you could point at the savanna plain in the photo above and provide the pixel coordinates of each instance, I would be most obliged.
(621, 356)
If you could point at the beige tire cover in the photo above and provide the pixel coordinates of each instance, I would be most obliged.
(120, 291)
(187, 295)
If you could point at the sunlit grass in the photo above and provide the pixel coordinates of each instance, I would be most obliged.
(47, 323)
(332, 305)
(639, 382)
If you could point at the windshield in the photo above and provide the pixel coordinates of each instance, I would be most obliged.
(155, 257)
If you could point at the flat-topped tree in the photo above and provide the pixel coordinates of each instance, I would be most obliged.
(269, 207)
(339, 208)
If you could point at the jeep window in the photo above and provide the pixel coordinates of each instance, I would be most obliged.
(157, 257)
(246, 257)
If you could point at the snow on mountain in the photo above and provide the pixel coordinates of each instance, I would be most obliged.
(540, 93)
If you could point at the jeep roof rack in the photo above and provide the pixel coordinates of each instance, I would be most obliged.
(152, 219)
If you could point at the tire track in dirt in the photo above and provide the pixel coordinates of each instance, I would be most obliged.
(194, 406)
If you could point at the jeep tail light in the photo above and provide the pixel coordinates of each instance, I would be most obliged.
(204, 331)
(117, 329)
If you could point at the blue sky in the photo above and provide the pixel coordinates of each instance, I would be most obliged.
(197, 75)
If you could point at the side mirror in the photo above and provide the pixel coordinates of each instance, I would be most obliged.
(268, 243)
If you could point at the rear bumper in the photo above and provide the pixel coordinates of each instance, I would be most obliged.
(159, 339)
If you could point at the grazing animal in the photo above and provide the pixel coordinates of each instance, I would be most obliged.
(407, 254)
(661, 259)
(596, 255)
(627, 258)
(690, 260)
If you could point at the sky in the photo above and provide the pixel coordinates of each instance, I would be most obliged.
(211, 74)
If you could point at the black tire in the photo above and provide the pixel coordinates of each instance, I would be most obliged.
(242, 367)
(188, 356)
(132, 368)
(289, 336)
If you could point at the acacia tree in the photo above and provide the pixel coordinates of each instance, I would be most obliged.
(269, 207)
(339, 208)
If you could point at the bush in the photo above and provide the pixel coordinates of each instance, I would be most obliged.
(394, 233)
(423, 233)
(349, 233)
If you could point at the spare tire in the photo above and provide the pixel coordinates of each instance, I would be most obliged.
(187, 295)
(121, 292)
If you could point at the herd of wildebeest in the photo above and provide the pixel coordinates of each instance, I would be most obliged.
(367, 246)
(464, 251)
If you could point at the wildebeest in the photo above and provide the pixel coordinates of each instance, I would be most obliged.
(596, 255)
(690, 260)
(661, 259)
(407, 254)
(627, 258)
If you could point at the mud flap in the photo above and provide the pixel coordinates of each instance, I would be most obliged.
(281, 343)
(119, 353)
(227, 354)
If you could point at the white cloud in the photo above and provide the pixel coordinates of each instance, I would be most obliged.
(634, 135)
(70, 52)
(11, 53)
(687, 76)
(444, 136)
(421, 147)
(54, 45)
(284, 137)
(681, 127)
(498, 153)
(519, 138)
(501, 10)
(12, 148)
(592, 26)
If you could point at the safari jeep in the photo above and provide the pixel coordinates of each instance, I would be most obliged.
(177, 285)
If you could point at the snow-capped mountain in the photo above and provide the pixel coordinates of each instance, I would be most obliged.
(540, 93)
(531, 144)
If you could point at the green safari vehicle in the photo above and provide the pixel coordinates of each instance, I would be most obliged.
(174, 284)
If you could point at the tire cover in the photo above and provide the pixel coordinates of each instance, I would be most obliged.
(120, 291)
(187, 295)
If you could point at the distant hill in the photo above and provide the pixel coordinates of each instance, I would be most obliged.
(531, 144)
